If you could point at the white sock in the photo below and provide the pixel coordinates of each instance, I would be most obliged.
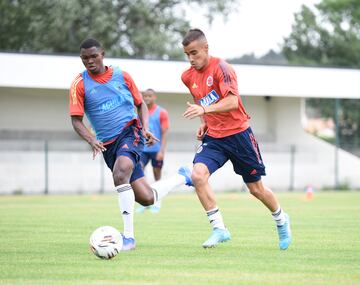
(162, 187)
(126, 205)
(279, 217)
(215, 218)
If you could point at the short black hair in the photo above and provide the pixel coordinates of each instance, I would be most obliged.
(193, 35)
(150, 90)
(89, 43)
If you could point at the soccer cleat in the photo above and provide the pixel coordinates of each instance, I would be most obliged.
(128, 244)
(154, 209)
(185, 171)
(217, 236)
(140, 210)
(284, 232)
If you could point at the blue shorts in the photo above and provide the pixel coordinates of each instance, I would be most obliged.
(146, 156)
(129, 143)
(242, 150)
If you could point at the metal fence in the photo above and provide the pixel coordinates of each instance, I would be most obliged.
(55, 166)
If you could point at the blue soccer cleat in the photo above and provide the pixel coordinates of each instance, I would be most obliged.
(128, 244)
(284, 232)
(185, 171)
(154, 209)
(141, 209)
(217, 236)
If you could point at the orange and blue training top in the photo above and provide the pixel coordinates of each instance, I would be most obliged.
(209, 86)
(107, 99)
(158, 122)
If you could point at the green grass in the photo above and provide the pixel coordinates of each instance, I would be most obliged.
(44, 240)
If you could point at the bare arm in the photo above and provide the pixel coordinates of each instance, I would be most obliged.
(144, 118)
(160, 154)
(229, 103)
(164, 133)
(143, 115)
(79, 127)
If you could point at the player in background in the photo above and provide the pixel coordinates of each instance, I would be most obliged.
(117, 113)
(225, 134)
(158, 125)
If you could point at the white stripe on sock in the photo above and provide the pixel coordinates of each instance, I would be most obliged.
(215, 218)
(164, 186)
(126, 199)
(279, 216)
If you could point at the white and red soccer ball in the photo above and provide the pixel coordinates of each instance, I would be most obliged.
(106, 242)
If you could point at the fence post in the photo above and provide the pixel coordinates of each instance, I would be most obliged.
(102, 176)
(46, 150)
(292, 167)
(337, 144)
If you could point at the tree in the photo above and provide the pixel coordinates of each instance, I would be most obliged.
(127, 28)
(349, 120)
(330, 35)
(327, 35)
(271, 57)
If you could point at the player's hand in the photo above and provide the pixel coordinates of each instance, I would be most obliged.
(201, 132)
(97, 147)
(193, 111)
(160, 155)
(150, 138)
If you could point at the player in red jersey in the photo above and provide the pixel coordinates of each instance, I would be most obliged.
(225, 135)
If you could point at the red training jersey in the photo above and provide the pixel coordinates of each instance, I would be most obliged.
(209, 86)
(77, 90)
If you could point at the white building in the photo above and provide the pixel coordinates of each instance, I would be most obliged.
(34, 106)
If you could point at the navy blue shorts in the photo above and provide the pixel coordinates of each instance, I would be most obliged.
(147, 156)
(242, 150)
(129, 143)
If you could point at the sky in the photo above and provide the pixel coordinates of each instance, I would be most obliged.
(257, 27)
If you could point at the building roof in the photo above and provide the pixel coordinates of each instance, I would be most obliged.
(57, 72)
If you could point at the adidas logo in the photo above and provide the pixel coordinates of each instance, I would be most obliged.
(125, 213)
(253, 172)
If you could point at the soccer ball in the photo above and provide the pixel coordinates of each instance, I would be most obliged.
(106, 242)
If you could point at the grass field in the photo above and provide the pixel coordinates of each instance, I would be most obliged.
(44, 240)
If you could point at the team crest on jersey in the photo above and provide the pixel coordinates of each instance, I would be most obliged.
(211, 98)
(209, 81)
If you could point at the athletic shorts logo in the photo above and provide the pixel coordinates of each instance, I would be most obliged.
(209, 81)
(201, 147)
